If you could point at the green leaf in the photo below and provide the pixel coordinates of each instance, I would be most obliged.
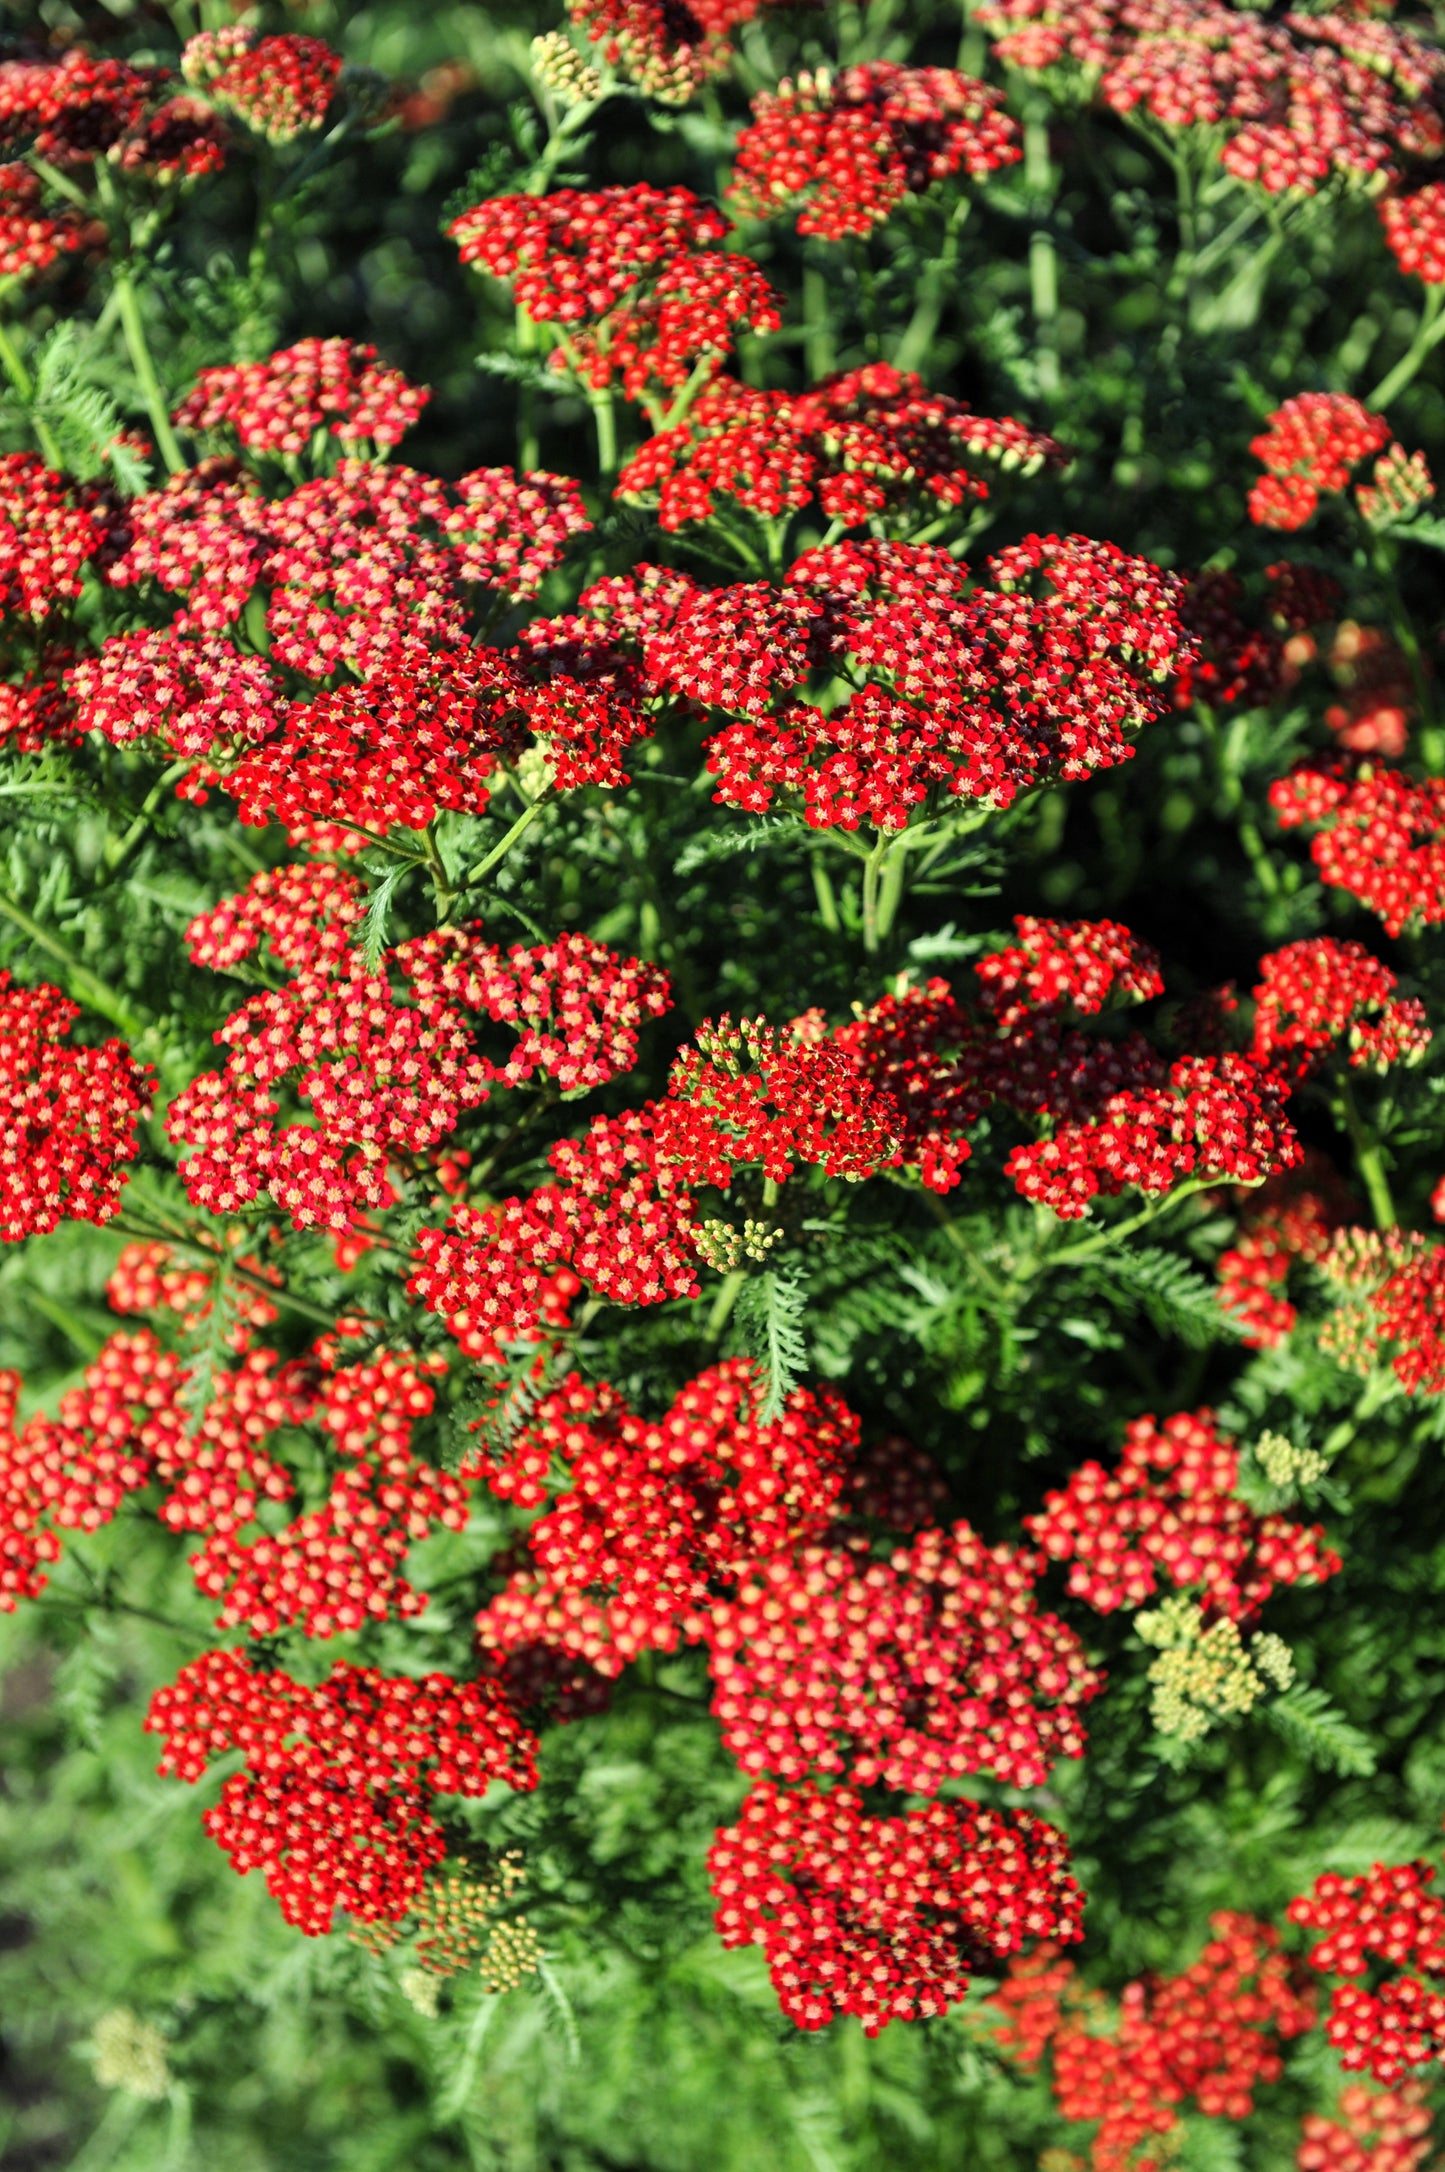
(769, 1318)
(1173, 1294)
(759, 835)
(1319, 1731)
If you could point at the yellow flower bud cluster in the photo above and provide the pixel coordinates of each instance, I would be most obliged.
(130, 2054)
(561, 70)
(1205, 1672)
(454, 1925)
(724, 1248)
(1285, 1465)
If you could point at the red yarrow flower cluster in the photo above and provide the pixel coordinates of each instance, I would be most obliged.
(1379, 835)
(945, 1061)
(281, 87)
(46, 538)
(1394, 1285)
(634, 273)
(1169, 1508)
(1291, 1218)
(903, 1673)
(332, 1805)
(1320, 994)
(363, 568)
(1291, 104)
(869, 443)
(623, 1215)
(969, 692)
(68, 1115)
(1310, 448)
(885, 1918)
(668, 48)
(278, 406)
(1211, 2034)
(847, 149)
(1215, 1116)
(1415, 230)
(1389, 1917)
(194, 697)
(33, 237)
(655, 1519)
(385, 1079)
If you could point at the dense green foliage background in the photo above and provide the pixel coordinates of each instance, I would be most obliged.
(647, 2048)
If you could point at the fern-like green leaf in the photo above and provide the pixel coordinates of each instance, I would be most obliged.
(1315, 1728)
(769, 1318)
(1172, 1293)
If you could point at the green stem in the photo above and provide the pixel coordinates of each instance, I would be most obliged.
(1092, 1246)
(24, 384)
(1043, 257)
(1431, 329)
(826, 895)
(441, 881)
(1368, 1159)
(818, 322)
(528, 452)
(500, 850)
(890, 894)
(872, 869)
(723, 1303)
(119, 850)
(604, 415)
(84, 985)
(133, 326)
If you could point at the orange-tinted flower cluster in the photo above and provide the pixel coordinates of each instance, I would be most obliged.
(868, 443)
(332, 1805)
(1211, 2035)
(1379, 834)
(902, 1674)
(1390, 1917)
(847, 149)
(1251, 650)
(1169, 1508)
(1378, 2130)
(68, 1115)
(885, 1917)
(655, 1519)
(635, 273)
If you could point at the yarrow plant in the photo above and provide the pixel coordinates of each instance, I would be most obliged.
(722, 1289)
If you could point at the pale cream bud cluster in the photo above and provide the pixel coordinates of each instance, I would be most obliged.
(725, 1248)
(1283, 1464)
(1205, 1672)
(562, 72)
(130, 2054)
